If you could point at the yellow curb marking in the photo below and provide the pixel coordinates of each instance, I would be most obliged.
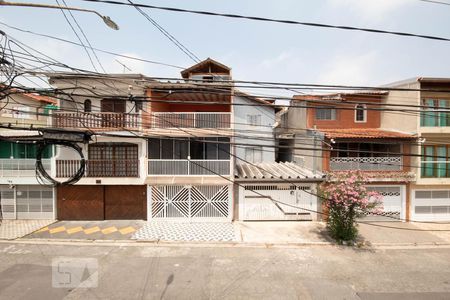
(127, 230)
(57, 229)
(74, 230)
(91, 230)
(109, 230)
(43, 229)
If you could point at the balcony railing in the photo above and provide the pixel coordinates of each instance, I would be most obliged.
(96, 120)
(99, 168)
(188, 167)
(190, 120)
(393, 163)
(21, 167)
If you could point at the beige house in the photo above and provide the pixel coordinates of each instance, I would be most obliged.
(430, 121)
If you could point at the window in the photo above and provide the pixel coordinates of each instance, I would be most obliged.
(254, 120)
(87, 105)
(435, 161)
(253, 154)
(435, 113)
(360, 113)
(22, 150)
(203, 148)
(325, 114)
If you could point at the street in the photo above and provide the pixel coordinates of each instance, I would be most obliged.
(146, 271)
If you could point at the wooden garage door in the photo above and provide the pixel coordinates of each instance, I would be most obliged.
(80, 202)
(126, 202)
(85, 202)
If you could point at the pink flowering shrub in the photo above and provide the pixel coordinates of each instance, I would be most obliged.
(346, 198)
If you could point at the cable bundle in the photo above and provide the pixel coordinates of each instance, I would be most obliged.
(42, 174)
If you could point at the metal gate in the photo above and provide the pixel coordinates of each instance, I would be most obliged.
(26, 202)
(392, 203)
(291, 202)
(190, 202)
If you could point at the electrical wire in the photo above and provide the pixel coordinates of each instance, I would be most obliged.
(263, 19)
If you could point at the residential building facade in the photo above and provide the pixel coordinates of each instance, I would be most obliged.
(343, 132)
(22, 196)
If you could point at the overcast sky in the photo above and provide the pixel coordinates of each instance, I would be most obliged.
(257, 50)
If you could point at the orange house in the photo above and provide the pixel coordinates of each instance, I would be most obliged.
(353, 138)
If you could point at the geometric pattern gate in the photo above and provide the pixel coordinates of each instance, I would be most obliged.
(191, 202)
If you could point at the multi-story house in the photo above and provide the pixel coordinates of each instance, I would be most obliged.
(21, 194)
(342, 132)
(108, 107)
(429, 98)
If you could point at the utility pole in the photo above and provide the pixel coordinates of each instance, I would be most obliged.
(110, 23)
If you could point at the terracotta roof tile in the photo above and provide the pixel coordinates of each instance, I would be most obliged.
(371, 133)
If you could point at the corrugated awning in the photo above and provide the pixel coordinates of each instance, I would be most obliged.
(273, 171)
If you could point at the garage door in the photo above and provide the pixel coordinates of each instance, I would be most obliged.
(26, 202)
(431, 205)
(190, 202)
(256, 203)
(91, 202)
(392, 203)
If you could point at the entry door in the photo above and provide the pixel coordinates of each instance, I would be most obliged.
(114, 113)
(125, 202)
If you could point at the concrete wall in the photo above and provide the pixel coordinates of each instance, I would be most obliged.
(263, 135)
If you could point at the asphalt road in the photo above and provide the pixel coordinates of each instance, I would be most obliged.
(156, 272)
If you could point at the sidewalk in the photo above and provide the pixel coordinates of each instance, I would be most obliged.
(240, 233)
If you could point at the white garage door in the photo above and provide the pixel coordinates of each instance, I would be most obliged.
(26, 202)
(255, 203)
(189, 202)
(392, 203)
(431, 205)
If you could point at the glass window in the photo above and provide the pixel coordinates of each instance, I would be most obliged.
(360, 113)
(325, 114)
(196, 149)
(87, 105)
(253, 154)
(154, 148)
(167, 149)
(211, 148)
(435, 113)
(434, 161)
(181, 149)
(254, 120)
(223, 148)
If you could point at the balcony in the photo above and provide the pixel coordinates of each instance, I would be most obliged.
(99, 168)
(25, 167)
(217, 120)
(392, 163)
(188, 167)
(96, 120)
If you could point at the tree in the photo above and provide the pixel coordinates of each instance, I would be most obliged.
(346, 198)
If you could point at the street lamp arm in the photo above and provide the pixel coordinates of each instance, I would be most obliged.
(105, 19)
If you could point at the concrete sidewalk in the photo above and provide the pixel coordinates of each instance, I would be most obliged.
(399, 233)
(249, 233)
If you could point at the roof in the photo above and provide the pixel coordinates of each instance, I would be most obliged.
(185, 72)
(40, 98)
(273, 171)
(364, 133)
(341, 96)
(55, 75)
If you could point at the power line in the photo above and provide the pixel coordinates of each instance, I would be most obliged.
(289, 22)
(78, 37)
(96, 49)
(171, 38)
(435, 2)
(85, 37)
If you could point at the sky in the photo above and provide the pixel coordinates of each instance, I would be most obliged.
(255, 51)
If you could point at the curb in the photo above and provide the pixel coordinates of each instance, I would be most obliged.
(156, 243)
